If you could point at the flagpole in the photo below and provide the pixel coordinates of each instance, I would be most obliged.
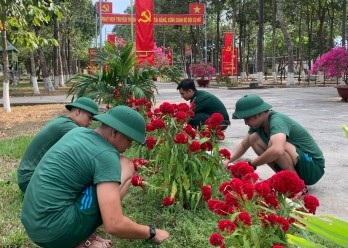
(131, 6)
(100, 24)
(205, 35)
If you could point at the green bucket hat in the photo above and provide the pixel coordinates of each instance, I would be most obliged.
(126, 121)
(84, 103)
(250, 105)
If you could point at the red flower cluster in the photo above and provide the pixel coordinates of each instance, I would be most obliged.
(181, 138)
(167, 201)
(137, 162)
(190, 131)
(181, 117)
(225, 153)
(150, 143)
(167, 108)
(195, 146)
(311, 203)
(137, 181)
(287, 182)
(156, 123)
(240, 169)
(206, 193)
(216, 239)
(214, 122)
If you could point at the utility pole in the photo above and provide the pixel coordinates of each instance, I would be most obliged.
(205, 35)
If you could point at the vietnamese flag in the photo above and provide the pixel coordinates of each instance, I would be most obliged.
(144, 31)
(196, 8)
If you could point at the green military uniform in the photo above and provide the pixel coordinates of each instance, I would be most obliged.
(41, 143)
(207, 104)
(60, 206)
(311, 162)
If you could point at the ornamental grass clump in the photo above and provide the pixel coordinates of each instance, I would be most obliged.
(256, 213)
(180, 159)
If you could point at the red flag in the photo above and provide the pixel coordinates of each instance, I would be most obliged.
(112, 39)
(196, 8)
(228, 37)
(106, 7)
(144, 31)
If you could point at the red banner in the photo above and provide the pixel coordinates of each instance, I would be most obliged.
(169, 54)
(229, 62)
(144, 31)
(91, 65)
(112, 39)
(228, 37)
(106, 7)
(158, 19)
(196, 8)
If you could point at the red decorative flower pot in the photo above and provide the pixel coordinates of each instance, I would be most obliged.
(342, 92)
(202, 82)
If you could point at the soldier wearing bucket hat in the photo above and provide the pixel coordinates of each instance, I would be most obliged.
(83, 180)
(278, 140)
(80, 114)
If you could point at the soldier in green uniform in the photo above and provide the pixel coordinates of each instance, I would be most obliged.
(81, 114)
(206, 104)
(80, 182)
(278, 140)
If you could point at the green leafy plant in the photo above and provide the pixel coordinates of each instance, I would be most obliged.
(345, 130)
(178, 160)
(257, 213)
(327, 227)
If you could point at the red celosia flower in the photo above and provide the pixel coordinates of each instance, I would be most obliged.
(225, 153)
(225, 187)
(149, 127)
(166, 108)
(218, 207)
(240, 169)
(248, 190)
(216, 239)
(277, 246)
(245, 218)
(150, 143)
(195, 146)
(190, 113)
(226, 225)
(231, 200)
(291, 220)
(137, 181)
(181, 117)
(157, 123)
(220, 135)
(206, 192)
(287, 183)
(149, 114)
(205, 134)
(190, 131)
(251, 177)
(237, 185)
(263, 188)
(167, 201)
(181, 138)
(183, 107)
(311, 203)
(137, 162)
(272, 200)
(207, 146)
(214, 121)
(284, 224)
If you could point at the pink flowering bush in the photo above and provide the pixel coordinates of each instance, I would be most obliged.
(334, 63)
(257, 213)
(181, 161)
(202, 70)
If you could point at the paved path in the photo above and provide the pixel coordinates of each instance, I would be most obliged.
(317, 108)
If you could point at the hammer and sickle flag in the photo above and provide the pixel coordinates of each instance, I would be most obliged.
(144, 36)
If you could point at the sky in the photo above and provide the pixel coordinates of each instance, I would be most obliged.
(118, 7)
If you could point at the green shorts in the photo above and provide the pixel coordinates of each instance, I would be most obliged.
(86, 218)
(308, 170)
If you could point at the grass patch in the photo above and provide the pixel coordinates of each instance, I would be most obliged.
(14, 148)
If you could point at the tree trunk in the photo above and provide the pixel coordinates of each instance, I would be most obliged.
(55, 54)
(290, 76)
(64, 61)
(43, 65)
(33, 77)
(217, 42)
(260, 45)
(274, 29)
(6, 70)
(344, 20)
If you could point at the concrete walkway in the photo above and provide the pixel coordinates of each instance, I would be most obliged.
(318, 109)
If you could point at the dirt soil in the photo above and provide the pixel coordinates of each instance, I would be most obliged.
(27, 120)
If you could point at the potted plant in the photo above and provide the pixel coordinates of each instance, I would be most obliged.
(334, 63)
(203, 71)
